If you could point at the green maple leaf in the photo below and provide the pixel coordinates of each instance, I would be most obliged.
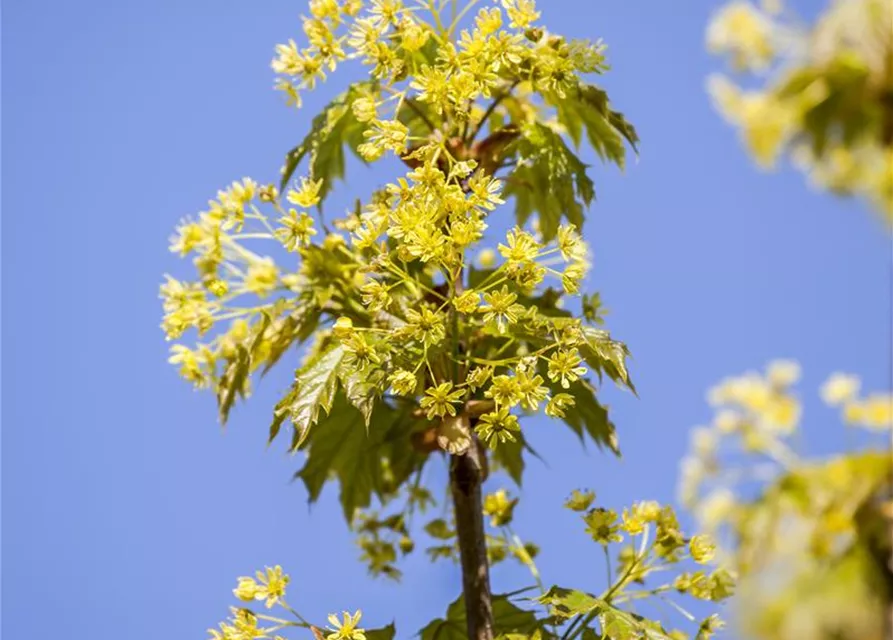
(550, 180)
(314, 389)
(567, 603)
(332, 129)
(509, 456)
(606, 130)
(588, 416)
(507, 618)
(366, 460)
(607, 356)
(385, 633)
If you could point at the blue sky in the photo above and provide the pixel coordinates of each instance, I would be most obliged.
(127, 512)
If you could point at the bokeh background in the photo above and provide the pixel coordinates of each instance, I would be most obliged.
(127, 512)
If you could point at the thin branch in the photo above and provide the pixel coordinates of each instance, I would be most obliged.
(496, 102)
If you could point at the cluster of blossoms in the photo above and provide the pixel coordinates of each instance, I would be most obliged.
(393, 275)
(430, 219)
(651, 543)
(449, 73)
(269, 586)
(757, 416)
(771, 507)
(826, 99)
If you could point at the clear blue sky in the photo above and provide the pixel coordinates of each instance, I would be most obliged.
(127, 513)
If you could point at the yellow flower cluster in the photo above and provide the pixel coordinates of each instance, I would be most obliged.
(803, 106)
(874, 411)
(817, 501)
(744, 32)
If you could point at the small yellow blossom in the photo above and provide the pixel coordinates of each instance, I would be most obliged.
(559, 404)
(364, 109)
(468, 302)
(521, 13)
(307, 195)
(440, 400)
(504, 391)
(840, 388)
(565, 366)
(702, 548)
(500, 509)
(783, 373)
(346, 630)
(403, 382)
(498, 426)
(741, 30)
(487, 258)
(262, 277)
(488, 21)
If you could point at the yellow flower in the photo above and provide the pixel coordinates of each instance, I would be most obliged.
(573, 274)
(247, 589)
(375, 295)
(840, 388)
(413, 35)
(346, 630)
(501, 308)
(440, 400)
(288, 59)
(500, 509)
(633, 521)
(504, 391)
(386, 135)
(531, 391)
(364, 109)
(488, 21)
(189, 236)
(262, 277)
(497, 426)
(601, 524)
(702, 548)
(478, 377)
(522, 13)
(269, 586)
(520, 247)
(308, 194)
(360, 353)
(649, 510)
(487, 259)
(564, 366)
(874, 412)
(468, 302)
(485, 191)
(743, 32)
(580, 500)
(190, 365)
(296, 230)
(403, 382)
(426, 326)
(570, 243)
(559, 404)
(783, 373)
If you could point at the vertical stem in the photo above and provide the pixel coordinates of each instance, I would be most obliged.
(466, 474)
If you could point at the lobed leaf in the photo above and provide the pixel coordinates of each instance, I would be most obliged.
(333, 128)
(507, 619)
